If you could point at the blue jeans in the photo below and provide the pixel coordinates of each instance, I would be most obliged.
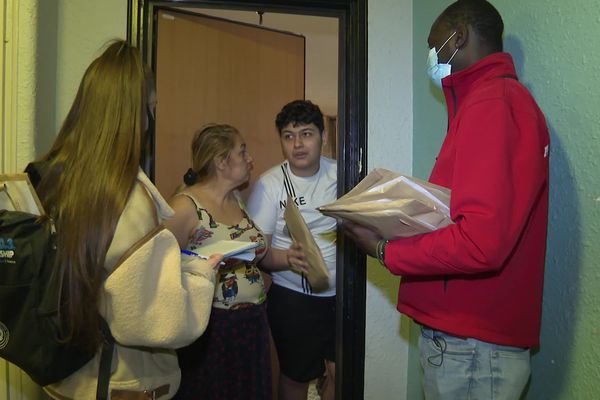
(469, 369)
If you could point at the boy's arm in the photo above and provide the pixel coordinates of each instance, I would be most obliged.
(280, 259)
(275, 259)
(262, 207)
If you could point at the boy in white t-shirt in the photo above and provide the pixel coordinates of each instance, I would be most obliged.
(302, 321)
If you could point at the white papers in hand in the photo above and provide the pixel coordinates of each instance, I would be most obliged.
(230, 249)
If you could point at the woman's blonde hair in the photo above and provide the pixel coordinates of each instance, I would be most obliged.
(93, 165)
(211, 142)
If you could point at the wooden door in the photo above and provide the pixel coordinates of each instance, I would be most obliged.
(214, 70)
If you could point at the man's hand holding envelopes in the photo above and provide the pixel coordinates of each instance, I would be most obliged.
(393, 205)
(317, 272)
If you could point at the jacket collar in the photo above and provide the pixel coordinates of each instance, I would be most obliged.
(456, 86)
(164, 209)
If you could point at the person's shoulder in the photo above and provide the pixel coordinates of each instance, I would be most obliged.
(329, 166)
(329, 162)
(274, 173)
(185, 203)
(186, 213)
(511, 93)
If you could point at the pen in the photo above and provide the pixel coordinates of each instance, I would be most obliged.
(191, 253)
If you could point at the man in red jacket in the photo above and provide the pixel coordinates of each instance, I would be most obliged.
(475, 286)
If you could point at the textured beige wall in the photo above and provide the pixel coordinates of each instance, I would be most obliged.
(84, 26)
(26, 82)
(57, 40)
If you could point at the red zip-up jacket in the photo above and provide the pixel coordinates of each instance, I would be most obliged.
(482, 277)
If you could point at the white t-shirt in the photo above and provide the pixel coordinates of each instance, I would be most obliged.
(266, 206)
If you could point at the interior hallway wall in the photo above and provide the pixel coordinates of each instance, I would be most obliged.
(83, 27)
(27, 56)
(65, 37)
(57, 41)
(552, 45)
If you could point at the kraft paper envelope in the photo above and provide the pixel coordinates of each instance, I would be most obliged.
(318, 274)
(394, 205)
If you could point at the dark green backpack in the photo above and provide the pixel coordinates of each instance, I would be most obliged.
(30, 329)
(30, 287)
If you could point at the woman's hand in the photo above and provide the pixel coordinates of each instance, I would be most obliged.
(215, 260)
(364, 238)
(296, 258)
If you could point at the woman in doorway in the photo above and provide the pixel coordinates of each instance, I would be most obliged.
(232, 359)
(106, 208)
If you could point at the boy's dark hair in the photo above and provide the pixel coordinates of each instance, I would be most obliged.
(481, 15)
(300, 112)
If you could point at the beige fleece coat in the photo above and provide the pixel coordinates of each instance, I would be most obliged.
(152, 302)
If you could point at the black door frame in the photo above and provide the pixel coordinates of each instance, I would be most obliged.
(352, 151)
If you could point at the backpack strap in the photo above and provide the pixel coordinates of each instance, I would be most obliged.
(105, 362)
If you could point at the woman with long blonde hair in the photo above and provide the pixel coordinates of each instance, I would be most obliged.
(105, 209)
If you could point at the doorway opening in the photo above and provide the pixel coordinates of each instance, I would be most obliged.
(350, 149)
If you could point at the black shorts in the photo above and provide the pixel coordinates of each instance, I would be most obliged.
(303, 328)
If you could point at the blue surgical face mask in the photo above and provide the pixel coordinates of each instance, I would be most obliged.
(438, 71)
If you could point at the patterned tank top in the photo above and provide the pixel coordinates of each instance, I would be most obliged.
(239, 283)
